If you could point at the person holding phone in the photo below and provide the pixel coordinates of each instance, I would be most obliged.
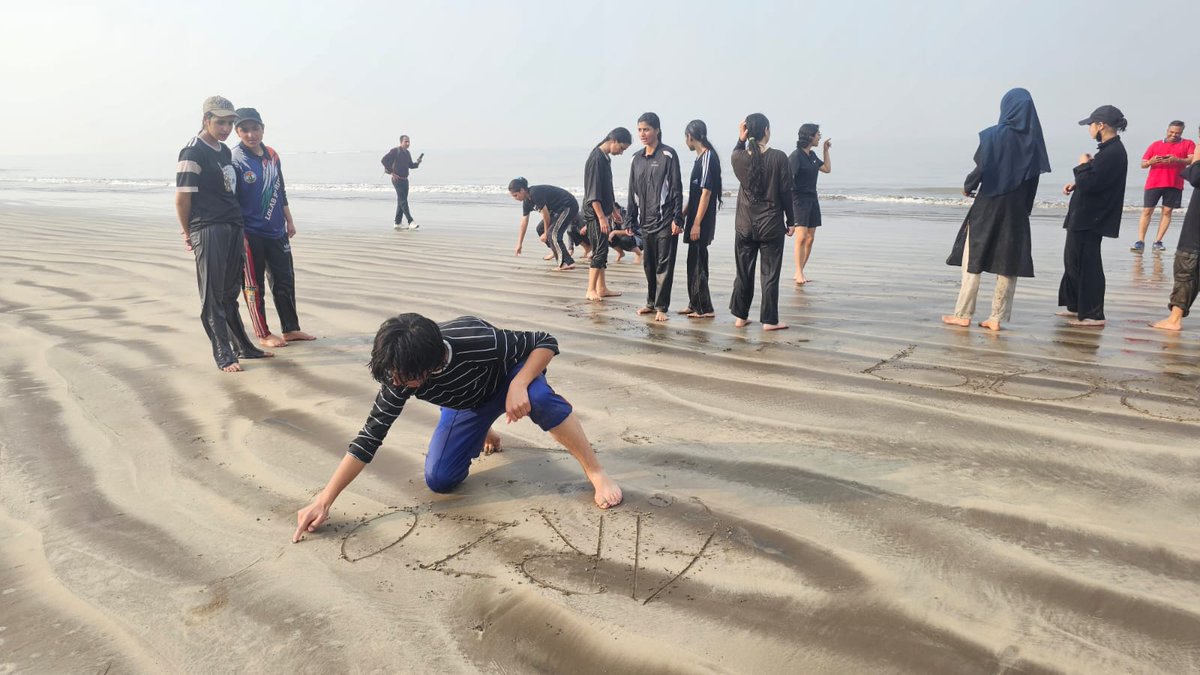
(1097, 197)
(1165, 159)
(397, 163)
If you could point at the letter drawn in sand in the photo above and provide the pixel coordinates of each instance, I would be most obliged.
(376, 535)
(440, 565)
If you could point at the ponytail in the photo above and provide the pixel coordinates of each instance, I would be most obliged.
(698, 130)
(756, 130)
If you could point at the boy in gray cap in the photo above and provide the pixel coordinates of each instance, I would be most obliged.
(211, 218)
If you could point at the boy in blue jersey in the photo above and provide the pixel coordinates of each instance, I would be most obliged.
(268, 228)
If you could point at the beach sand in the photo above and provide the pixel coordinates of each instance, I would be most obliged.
(870, 491)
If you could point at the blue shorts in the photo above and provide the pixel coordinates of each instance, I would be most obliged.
(459, 436)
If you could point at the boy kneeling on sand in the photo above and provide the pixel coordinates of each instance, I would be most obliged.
(475, 372)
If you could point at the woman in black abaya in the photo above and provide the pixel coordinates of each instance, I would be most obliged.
(994, 237)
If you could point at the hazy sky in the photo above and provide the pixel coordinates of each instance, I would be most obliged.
(130, 76)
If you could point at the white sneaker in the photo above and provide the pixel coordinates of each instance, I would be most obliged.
(414, 226)
(397, 227)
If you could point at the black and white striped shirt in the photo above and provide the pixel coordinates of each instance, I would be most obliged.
(480, 356)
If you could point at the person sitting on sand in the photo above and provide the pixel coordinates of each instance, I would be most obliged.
(625, 238)
(268, 229)
(559, 211)
(994, 236)
(1097, 199)
(656, 204)
(477, 373)
(1187, 255)
(700, 219)
(598, 203)
(764, 217)
(211, 218)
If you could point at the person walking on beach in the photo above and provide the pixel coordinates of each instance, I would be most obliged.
(994, 236)
(397, 163)
(476, 372)
(1166, 160)
(764, 217)
(806, 166)
(211, 219)
(656, 205)
(700, 221)
(1097, 196)
(1187, 255)
(269, 228)
(559, 212)
(598, 208)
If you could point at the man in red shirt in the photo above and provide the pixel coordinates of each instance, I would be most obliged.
(1166, 160)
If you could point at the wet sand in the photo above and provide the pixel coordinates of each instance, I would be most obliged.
(870, 491)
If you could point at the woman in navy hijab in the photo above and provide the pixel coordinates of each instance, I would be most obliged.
(994, 237)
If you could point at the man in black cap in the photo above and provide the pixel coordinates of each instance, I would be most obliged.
(1097, 196)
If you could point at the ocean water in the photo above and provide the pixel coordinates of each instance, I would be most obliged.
(868, 180)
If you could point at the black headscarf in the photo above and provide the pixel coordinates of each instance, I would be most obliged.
(1013, 151)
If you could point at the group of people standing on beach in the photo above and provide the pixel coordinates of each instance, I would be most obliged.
(233, 210)
(777, 195)
(995, 236)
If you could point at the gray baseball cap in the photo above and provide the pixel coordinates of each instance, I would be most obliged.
(219, 106)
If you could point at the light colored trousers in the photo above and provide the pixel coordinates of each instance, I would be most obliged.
(1002, 299)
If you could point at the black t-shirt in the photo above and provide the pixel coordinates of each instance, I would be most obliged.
(805, 165)
(549, 196)
(209, 175)
(597, 184)
(1189, 235)
(706, 173)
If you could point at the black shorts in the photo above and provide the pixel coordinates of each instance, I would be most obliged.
(1172, 198)
(808, 212)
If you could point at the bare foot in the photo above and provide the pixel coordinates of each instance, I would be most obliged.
(644, 310)
(549, 256)
(564, 268)
(608, 493)
(492, 443)
(800, 281)
(698, 315)
(620, 254)
(742, 323)
(955, 321)
(1086, 323)
(1168, 324)
(272, 340)
(775, 326)
(609, 293)
(1067, 313)
(686, 310)
(234, 367)
(990, 324)
(661, 316)
(298, 336)
(592, 297)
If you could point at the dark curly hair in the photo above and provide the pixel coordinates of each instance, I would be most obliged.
(408, 347)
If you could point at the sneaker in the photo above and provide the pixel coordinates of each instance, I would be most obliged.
(1158, 246)
(414, 226)
(397, 227)
(1138, 246)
